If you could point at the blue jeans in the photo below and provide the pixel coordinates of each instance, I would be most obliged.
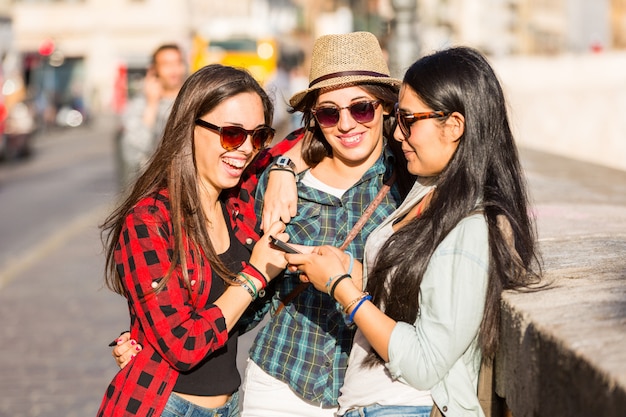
(179, 407)
(390, 411)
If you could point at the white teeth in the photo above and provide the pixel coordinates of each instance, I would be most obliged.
(352, 139)
(236, 163)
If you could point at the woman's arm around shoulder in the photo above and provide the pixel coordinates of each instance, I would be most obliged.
(280, 196)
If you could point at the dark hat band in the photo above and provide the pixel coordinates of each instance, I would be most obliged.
(347, 74)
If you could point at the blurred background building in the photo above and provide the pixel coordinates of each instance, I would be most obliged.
(86, 55)
(69, 59)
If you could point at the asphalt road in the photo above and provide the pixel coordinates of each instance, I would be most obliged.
(55, 315)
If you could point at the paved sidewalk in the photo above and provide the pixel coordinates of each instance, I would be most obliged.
(56, 322)
(55, 318)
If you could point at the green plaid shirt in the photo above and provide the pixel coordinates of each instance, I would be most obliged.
(308, 343)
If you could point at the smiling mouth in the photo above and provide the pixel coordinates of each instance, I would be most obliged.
(349, 140)
(408, 151)
(235, 163)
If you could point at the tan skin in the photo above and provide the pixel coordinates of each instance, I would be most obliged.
(281, 194)
(428, 149)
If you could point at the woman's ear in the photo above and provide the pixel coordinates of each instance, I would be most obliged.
(455, 125)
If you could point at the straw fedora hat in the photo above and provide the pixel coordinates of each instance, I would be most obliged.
(339, 60)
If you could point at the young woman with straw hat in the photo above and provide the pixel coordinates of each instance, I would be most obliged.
(435, 269)
(299, 357)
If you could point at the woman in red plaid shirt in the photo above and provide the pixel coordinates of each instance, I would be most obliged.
(171, 250)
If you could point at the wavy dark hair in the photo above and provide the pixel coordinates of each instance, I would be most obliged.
(315, 147)
(173, 167)
(484, 175)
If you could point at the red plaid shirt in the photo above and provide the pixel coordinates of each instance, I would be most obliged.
(176, 330)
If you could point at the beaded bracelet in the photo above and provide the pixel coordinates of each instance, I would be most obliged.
(340, 278)
(251, 288)
(361, 301)
(260, 292)
(356, 300)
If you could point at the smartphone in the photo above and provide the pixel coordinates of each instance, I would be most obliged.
(285, 247)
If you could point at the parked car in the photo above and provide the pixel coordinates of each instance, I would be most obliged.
(19, 129)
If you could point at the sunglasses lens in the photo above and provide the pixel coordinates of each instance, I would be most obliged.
(232, 137)
(327, 116)
(403, 127)
(363, 112)
(261, 137)
(401, 120)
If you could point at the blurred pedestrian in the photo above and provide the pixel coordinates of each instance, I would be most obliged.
(144, 120)
(172, 252)
(435, 269)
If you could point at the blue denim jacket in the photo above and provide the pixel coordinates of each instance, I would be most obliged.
(440, 350)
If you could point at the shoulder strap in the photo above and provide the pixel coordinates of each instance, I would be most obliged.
(369, 210)
(351, 235)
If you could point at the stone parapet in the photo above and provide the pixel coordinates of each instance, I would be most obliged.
(563, 348)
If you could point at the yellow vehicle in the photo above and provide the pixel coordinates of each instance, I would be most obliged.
(259, 56)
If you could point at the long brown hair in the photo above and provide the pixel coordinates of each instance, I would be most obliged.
(173, 167)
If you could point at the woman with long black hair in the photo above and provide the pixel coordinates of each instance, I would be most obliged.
(435, 269)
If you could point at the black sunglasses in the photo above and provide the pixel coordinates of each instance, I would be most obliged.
(232, 137)
(405, 120)
(362, 112)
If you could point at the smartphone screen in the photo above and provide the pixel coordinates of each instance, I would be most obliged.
(285, 247)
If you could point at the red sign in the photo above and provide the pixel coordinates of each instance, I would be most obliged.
(46, 48)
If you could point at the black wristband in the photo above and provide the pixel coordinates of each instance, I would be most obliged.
(332, 289)
(282, 169)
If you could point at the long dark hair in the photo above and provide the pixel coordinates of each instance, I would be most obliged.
(315, 147)
(172, 167)
(484, 175)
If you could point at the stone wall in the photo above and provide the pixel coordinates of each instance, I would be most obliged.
(563, 348)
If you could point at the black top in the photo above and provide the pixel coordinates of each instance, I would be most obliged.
(217, 374)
